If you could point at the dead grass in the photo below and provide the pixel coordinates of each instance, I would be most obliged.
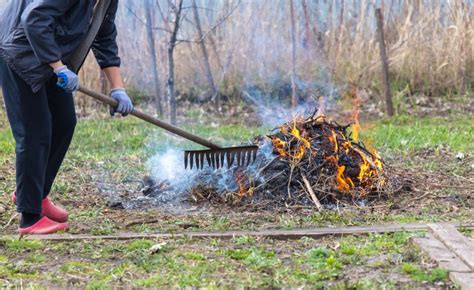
(429, 46)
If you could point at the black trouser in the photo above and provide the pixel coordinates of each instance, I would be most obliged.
(42, 124)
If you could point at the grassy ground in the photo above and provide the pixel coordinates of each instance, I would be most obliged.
(379, 261)
(116, 151)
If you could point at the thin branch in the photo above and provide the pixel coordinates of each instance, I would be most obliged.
(199, 7)
(218, 23)
(184, 18)
(135, 15)
(163, 18)
(144, 23)
(316, 201)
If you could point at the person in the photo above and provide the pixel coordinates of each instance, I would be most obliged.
(37, 39)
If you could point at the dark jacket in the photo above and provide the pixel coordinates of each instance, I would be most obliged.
(45, 31)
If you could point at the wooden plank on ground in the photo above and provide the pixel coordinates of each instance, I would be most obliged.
(464, 280)
(441, 254)
(274, 234)
(455, 241)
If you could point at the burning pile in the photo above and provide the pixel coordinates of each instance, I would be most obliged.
(311, 161)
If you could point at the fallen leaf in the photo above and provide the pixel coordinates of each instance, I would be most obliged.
(460, 156)
(336, 246)
(157, 248)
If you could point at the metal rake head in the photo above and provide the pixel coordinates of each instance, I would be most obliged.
(216, 158)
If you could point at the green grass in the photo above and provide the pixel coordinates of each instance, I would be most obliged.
(22, 245)
(409, 133)
(243, 261)
(102, 140)
(418, 274)
(7, 146)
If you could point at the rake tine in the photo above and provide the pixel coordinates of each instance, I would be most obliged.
(208, 157)
(243, 158)
(201, 158)
(230, 159)
(213, 160)
(218, 157)
(197, 160)
(239, 155)
(254, 155)
(186, 156)
(191, 160)
(222, 159)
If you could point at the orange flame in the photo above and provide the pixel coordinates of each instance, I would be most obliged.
(364, 170)
(344, 182)
(300, 150)
(333, 140)
(239, 177)
(347, 146)
(377, 159)
(300, 153)
(279, 146)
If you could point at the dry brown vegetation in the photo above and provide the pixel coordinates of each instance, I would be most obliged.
(430, 45)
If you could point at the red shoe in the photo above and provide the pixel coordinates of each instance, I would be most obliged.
(53, 212)
(43, 226)
(50, 210)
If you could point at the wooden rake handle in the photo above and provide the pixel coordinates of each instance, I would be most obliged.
(152, 120)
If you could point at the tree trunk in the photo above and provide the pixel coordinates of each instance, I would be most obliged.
(104, 84)
(384, 60)
(340, 30)
(171, 45)
(202, 44)
(317, 30)
(294, 97)
(152, 49)
(308, 39)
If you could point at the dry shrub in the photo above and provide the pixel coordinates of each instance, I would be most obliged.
(430, 45)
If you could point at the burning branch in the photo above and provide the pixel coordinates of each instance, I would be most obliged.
(311, 162)
(311, 192)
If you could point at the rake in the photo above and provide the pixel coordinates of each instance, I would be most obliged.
(216, 156)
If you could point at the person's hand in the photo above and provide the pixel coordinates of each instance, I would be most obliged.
(67, 79)
(124, 106)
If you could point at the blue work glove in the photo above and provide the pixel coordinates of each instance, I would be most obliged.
(125, 105)
(67, 79)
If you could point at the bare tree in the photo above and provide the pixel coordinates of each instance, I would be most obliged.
(202, 44)
(294, 97)
(384, 60)
(308, 38)
(170, 85)
(148, 5)
(340, 30)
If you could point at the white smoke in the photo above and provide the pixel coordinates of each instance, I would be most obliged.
(168, 166)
